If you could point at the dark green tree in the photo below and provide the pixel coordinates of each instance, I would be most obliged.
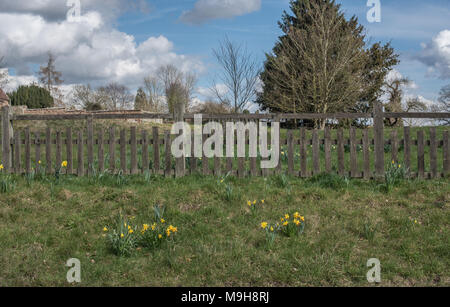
(322, 63)
(32, 96)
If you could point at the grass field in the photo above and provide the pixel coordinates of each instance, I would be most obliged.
(220, 242)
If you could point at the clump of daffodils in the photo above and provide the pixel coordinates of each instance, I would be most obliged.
(253, 205)
(125, 238)
(289, 225)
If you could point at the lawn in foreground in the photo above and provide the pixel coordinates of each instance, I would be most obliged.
(220, 242)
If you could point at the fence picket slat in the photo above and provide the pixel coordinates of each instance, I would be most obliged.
(145, 161)
(407, 148)
(378, 120)
(366, 153)
(420, 154)
(134, 164)
(80, 154)
(327, 147)
(303, 170)
(17, 156)
(37, 138)
(112, 150)
(341, 152)
(205, 160)
(446, 153)
(6, 140)
(58, 150)
(193, 159)
(394, 145)
(316, 152)
(69, 150)
(27, 151)
(168, 155)
(353, 154)
(101, 152)
(48, 150)
(156, 154)
(290, 151)
(90, 145)
(433, 153)
(123, 152)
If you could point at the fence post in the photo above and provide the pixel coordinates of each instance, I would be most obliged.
(378, 126)
(6, 139)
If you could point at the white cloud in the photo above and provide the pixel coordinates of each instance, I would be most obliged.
(89, 51)
(436, 55)
(206, 10)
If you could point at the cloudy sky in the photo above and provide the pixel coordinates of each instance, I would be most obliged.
(123, 41)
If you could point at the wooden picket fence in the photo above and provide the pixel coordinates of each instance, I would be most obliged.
(140, 152)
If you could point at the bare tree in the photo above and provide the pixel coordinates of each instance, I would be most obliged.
(443, 104)
(116, 96)
(87, 98)
(240, 73)
(154, 93)
(51, 79)
(3, 74)
(178, 87)
(394, 89)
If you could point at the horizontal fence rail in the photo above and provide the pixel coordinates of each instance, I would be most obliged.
(356, 153)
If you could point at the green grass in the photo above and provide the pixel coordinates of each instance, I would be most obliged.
(220, 241)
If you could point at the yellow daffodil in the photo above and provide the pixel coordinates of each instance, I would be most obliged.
(262, 201)
(39, 162)
(154, 226)
(297, 222)
(163, 221)
(1, 167)
(254, 202)
(286, 216)
(271, 229)
(121, 235)
(296, 215)
(64, 164)
(105, 229)
(130, 231)
(249, 203)
(302, 218)
(159, 236)
(263, 225)
(285, 223)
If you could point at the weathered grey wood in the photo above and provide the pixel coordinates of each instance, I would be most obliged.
(316, 152)
(112, 149)
(341, 152)
(145, 160)
(134, 164)
(27, 151)
(353, 154)
(394, 146)
(37, 148)
(366, 153)
(58, 149)
(6, 140)
(101, 152)
(420, 154)
(17, 156)
(379, 139)
(80, 154)
(446, 152)
(156, 154)
(433, 153)
(90, 144)
(180, 164)
(205, 160)
(69, 150)
(290, 151)
(407, 148)
(303, 166)
(48, 150)
(218, 165)
(168, 154)
(193, 159)
(123, 151)
(327, 146)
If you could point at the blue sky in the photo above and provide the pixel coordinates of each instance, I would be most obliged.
(115, 42)
(405, 23)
